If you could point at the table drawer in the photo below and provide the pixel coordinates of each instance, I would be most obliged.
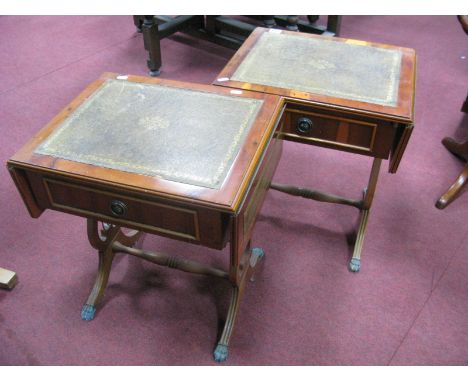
(176, 221)
(339, 131)
(169, 218)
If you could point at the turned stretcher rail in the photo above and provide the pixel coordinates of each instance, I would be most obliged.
(315, 195)
(170, 261)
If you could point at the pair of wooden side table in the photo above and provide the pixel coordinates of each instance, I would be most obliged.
(194, 162)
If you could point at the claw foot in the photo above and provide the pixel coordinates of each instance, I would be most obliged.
(355, 265)
(221, 352)
(258, 253)
(87, 313)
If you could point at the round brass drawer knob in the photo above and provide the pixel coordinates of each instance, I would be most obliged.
(304, 125)
(118, 208)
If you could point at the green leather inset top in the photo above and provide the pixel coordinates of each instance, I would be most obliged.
(323, 66)
(181, 135)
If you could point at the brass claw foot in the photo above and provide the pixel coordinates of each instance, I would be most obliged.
(355, 265)
(221, 352)
(87, 312)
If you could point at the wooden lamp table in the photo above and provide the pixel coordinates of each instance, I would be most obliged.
(342, 94)
(184, 161)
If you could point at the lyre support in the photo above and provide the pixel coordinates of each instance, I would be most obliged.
(102, 241)
(111, 240)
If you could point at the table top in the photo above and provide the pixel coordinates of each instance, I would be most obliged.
(187, 140)
(156, 130)
(370, 77)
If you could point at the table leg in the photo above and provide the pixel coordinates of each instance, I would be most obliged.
(334, 25)
(254, 256)
(292, 23)
(313, 18)
(450, 195)
(355, 263)
(104, 244)
(459, 149)
(465, 105)
(152, 45)
(269, 21)
(138, 22)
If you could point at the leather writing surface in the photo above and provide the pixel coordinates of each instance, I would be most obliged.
(182, 135)
(349, 70)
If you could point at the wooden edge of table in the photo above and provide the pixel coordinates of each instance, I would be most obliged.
(403, 112)
(174, 84)
(397, 153)
(227, 198)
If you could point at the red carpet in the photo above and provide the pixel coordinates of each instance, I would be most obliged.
(407, 306)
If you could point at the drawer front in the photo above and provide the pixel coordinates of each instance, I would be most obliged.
(159, 216)
(340, 132)
(167, 219)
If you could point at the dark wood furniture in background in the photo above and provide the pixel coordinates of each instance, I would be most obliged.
(342, 94)
(8, 279)
(99, 169)
(459, 149)
(223, 30)
(463, 22)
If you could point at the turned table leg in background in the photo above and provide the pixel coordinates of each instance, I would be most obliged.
(292, 23)
(138, 22)
(269, 21)
(334, 25)
(151, 40)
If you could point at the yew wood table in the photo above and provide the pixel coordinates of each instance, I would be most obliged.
(342, 94)
(185, 161)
